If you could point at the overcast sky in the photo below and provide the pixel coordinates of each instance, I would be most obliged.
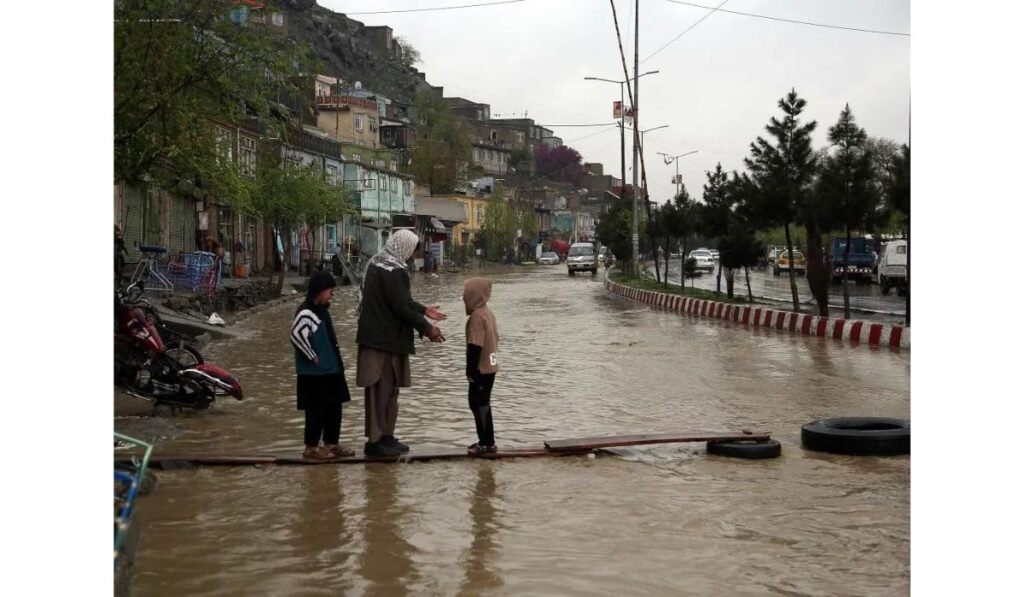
(718, 84)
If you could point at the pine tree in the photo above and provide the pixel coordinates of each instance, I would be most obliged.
(783, 171)
(846, 185)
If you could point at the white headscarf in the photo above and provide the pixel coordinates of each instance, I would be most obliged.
(396, 252)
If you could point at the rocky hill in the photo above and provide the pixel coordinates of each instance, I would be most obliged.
(350, 50)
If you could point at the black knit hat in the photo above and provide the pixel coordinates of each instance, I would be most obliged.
(318, 283)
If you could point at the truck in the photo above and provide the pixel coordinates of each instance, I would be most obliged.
(859, 265)
(892, 267)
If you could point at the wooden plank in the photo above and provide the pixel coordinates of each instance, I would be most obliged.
(590, 443)
(173, 461)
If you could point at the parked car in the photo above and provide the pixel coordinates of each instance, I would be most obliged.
(703, 258)
(581, 257)
(773, 254)
(714, 254)
(549, 258)
(782, 263)
(892, 267)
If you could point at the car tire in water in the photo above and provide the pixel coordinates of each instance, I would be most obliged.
(879, 436)
(750, 449)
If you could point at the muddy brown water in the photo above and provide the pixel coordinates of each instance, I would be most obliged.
(576, 362)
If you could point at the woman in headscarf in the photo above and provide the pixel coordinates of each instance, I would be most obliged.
(320, 373)
(387, 317)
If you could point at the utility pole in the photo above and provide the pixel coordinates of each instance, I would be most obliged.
(636, 138)
(669, 159)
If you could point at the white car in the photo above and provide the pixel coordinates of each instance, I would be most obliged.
(714, 254)
(581, 258)
(549, 258)
(703, 258)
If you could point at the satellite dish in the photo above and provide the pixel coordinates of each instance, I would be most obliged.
(358, 85)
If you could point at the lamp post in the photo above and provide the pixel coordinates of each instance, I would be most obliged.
(622, 114)
(675, 158)
(664, 126)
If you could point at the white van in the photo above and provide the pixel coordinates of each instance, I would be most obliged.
(892, 266)
(581, 257)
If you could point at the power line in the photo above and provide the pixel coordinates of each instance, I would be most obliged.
(711, 12)
(567, 141)
(598, 124)
(386, 12)
(747, 14)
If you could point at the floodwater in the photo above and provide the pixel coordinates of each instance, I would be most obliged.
(575, 362)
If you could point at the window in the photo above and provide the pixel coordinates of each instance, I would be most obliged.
(332, 175)
(494, 135)
(247, 156)
(520, 137)
(358, 123)
(224, 144)
(277, 19)
(378, 163)
(406, 188)
(356, 157)
(901, 250)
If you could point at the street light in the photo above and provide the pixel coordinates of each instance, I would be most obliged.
(622, 114)
(675, 158)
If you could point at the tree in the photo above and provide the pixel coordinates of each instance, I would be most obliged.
(410, 55)
(717, 213)
(685, 222)
(783, 172)
(180, 65)
(499, 227)
(287, 195)
(897, 198)
(443, 144)
(614, 229)
(562, 163)
(740, 246)
(846, 185)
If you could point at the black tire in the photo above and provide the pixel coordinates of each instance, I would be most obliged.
(884, 283)
(593, 272)
(184, 354)
(572, 273)
(880, 436)
(775, 271)
(747, 449)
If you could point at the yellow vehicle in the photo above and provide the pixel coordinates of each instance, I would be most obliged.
(782, 264)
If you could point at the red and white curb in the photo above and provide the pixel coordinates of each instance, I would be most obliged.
(862, 332)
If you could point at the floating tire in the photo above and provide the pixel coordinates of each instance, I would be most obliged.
(879, 436)
(747, 449)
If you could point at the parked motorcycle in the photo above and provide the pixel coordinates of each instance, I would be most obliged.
(146, 368)
(181, 347)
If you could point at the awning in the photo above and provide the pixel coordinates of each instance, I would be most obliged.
(437, 225)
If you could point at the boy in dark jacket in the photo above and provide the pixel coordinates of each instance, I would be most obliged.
(481, 360)
(320, 373)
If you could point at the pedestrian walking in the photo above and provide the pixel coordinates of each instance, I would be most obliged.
(481, 360)
(387, 317)
(321, 389)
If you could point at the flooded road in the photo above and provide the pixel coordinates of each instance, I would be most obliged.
(575, 362)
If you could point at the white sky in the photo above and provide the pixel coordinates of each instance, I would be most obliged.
(718, 84)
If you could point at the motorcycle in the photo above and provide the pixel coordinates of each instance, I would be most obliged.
(146, 368)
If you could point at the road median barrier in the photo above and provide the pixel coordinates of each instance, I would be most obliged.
(870, 333)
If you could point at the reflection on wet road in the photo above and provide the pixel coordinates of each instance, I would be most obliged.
(575, 361)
